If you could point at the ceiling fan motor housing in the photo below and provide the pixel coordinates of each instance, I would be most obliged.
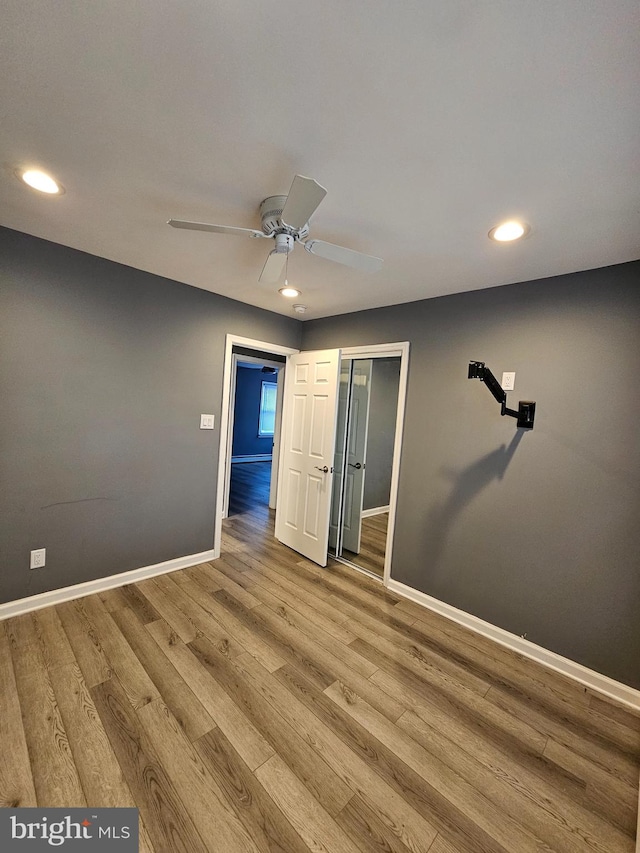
(271, 217)
(284, 244)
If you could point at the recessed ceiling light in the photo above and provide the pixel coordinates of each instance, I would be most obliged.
(40, 181)
(289, 292)
(508, 231)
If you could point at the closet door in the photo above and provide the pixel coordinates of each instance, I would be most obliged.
(356, 455)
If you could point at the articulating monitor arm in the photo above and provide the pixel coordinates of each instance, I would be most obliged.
(526, 408)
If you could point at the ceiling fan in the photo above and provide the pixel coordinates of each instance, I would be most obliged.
(285, 218)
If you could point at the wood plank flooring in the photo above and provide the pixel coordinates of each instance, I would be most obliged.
(373, 543)
(261, 703)
(249, 492)
(249, 487)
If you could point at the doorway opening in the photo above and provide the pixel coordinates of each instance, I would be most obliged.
(254, 427)
(249, 429)
(369, 422)
(313, 466)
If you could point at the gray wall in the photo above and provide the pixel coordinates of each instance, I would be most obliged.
(383, 405)
(105, 371)
(537, 532)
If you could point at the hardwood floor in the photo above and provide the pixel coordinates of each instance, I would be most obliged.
(261, 703)
(250, 483)
(373, 543)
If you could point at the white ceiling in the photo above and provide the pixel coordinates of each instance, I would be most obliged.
(428, 121)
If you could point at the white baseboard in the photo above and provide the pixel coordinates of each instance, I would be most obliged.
(258, 457)
(621, 693)
(79, 590)
(376, 510)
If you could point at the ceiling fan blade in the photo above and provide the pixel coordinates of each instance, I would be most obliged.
(304, 197)
(273, 267)
(218, 229)
(366, 263)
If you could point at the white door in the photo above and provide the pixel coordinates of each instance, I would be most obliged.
(356, 454)
(306, 464)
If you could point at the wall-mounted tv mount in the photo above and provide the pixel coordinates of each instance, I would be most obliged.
(526, 408)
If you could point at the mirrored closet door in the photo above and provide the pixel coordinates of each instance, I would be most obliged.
(366, 430)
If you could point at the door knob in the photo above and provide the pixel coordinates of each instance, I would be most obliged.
(324, 469)
(357, 465)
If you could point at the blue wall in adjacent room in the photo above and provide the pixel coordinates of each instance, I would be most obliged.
(246, 441)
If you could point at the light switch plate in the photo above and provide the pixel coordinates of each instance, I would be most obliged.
(508, 381)
(207, 421)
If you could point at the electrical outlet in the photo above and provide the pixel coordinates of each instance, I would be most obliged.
(38, 558)
(508, 381)
(207, 421)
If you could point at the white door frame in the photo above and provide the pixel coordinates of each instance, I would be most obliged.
(277, 434)
(224, 452)
(400, 349)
